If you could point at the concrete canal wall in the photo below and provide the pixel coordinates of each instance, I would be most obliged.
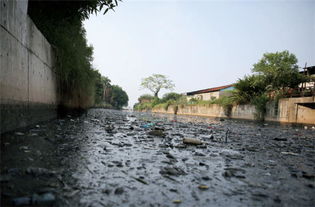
(290, 110)
(28, 84)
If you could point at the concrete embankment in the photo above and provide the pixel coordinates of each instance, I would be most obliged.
(289, 110)
(28, 81)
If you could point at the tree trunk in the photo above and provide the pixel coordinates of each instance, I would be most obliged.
(156, 93)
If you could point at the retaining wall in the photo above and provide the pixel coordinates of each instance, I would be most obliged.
(28, 81)
(289, 110)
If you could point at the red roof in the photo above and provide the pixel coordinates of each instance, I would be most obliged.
(210, 90)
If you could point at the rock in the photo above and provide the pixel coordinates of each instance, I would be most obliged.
(277, 199)
(280, 139)
(157, 133)
(170, 156)
(37, 171)
(119, 191)
(118, 163)
(141, 180)
(206, 178)
(202, 164)
(227, 174)
(159, 128)
(14, 171)
(211, 136)
(172, 171)
(95, 120)
(234, 172)
(201, 146)
(251, 148)
(5, 178)
(180, 146)
(185, 159)
(259, 194)
(308, 175)
(192, 141)
(194, 195)
(109, 128)
(22, 201)
(106, 191)
(231, 154)
(43, 199)
(199, 154)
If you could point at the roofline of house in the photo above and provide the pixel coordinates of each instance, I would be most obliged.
(308, 70)
(210, 89)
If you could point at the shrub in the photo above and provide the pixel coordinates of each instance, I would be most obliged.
(260, 105)
(171, 96)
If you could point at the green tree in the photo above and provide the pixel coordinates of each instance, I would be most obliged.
(156, 82)
(279, 70)
(70, 8)
(275, 73)
(119, 97)
(101, 87)
(247, 88)
(61, 23)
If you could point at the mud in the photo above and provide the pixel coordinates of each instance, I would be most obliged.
(115, 158)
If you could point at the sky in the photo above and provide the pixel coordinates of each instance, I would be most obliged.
(197, 44)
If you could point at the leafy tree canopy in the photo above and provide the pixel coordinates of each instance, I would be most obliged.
(119, 97)
(275, 73)
(248, 87)
(59, 9)
(156, 82)
(279, 70)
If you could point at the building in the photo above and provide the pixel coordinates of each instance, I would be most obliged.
(210, 93)
(310, 73)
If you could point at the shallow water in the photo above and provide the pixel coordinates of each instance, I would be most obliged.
(109, 158)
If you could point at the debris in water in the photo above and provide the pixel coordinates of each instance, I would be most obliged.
(141, 180)
(192, 141)
(203, 187)
(289, 153)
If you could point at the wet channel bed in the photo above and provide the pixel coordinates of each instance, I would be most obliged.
(118, 158)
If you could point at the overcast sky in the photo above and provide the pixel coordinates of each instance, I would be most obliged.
(197, 44)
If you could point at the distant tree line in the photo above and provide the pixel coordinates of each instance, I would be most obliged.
(108, 95)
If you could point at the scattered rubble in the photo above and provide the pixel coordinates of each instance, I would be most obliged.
(119, 158)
